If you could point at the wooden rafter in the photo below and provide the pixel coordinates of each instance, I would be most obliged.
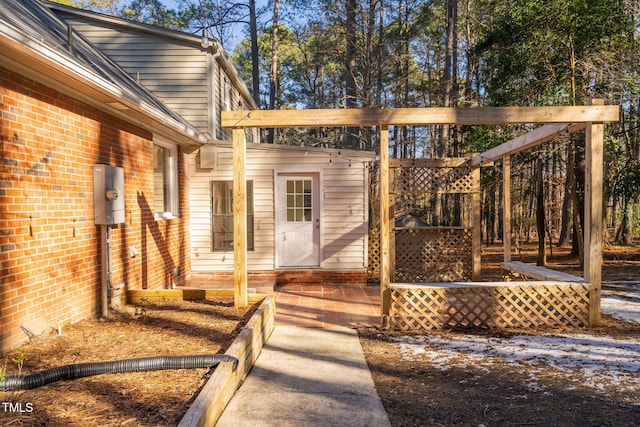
(524, 142)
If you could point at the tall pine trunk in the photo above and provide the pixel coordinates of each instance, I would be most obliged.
(255, 73)
(273, 75)
(350, 62)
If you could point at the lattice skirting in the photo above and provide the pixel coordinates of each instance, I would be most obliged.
(420, 307)
(373, 266)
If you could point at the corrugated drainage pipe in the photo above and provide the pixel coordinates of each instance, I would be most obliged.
(70, 372)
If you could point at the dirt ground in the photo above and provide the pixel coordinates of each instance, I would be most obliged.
(414, 393)
(418, 393)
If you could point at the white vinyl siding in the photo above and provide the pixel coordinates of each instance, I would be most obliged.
(176, 69)
(343, 201)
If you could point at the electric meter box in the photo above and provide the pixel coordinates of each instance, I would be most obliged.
(108, 194)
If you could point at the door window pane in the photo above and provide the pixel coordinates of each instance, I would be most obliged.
(299, 200)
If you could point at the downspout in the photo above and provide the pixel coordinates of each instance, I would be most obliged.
(107, 274)
(214, 100)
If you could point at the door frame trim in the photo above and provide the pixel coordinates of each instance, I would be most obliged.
(296, 171)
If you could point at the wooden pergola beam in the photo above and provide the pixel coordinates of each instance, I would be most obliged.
(506, 207)
(417, 116)
(385, 228)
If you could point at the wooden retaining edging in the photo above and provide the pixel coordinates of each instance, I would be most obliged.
(162, 295)
(224, 381)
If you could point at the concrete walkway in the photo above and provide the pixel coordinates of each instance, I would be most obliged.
(308, 377)
(312, 371)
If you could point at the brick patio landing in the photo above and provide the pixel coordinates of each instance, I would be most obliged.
(310, 305)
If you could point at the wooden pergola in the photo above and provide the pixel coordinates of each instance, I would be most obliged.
(556, 121)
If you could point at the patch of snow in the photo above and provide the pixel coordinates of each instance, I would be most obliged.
(581, 359)
(621, 305)
(595, 361)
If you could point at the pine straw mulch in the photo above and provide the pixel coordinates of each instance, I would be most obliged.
(157, 398)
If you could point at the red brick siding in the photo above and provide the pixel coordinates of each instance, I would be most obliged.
(49, 245)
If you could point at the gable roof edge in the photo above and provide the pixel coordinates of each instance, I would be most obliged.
(36, 60)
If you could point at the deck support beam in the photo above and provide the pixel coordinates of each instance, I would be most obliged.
(476, 218)
(506, 207)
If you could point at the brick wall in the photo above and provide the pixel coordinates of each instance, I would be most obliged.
(49, 245)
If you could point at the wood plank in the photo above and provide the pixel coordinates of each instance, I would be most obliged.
(594, 163)
(524, 142)
(476, 218)
(240, 278)
(506, 207)
(138, 296)
(540, 273)
(220, 388)
(416, 116)
(428, 163)
(385, 226)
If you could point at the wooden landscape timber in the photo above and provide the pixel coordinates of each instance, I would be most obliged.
(557, 121)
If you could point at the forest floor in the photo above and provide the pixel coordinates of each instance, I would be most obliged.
(473, 378)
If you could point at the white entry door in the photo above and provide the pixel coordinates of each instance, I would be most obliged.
(298, 220)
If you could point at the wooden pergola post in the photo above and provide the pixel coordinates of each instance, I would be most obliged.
(476, 217)
(385, 227)
(594, 163)
(506, 207)
(240, 278)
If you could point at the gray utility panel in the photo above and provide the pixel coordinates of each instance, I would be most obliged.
(108, 194)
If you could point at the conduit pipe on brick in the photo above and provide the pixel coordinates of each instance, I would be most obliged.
(80, 370)
(107, 274)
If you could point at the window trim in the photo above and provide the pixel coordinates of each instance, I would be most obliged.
(171, 181)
